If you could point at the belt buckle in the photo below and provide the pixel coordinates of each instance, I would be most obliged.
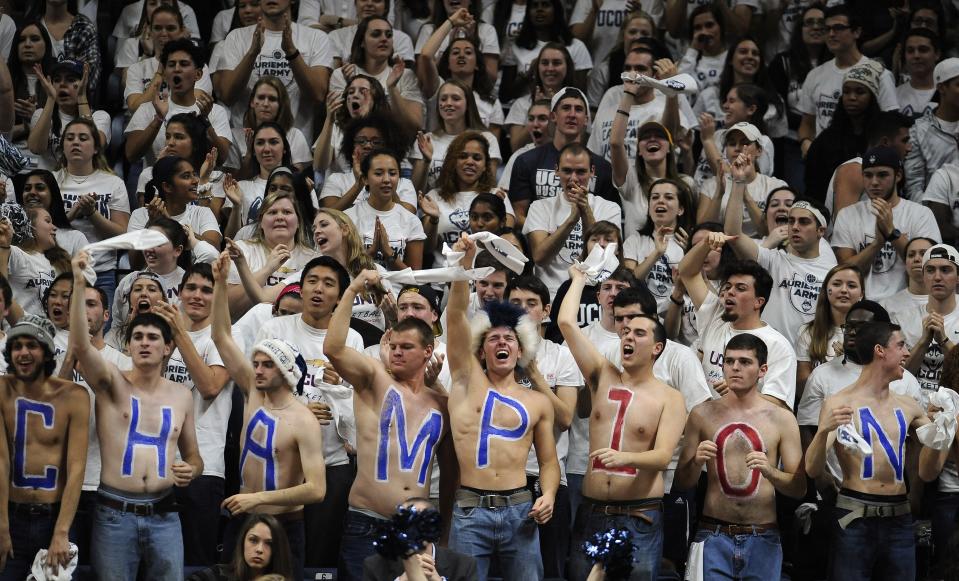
(142, 509)
(36, 509)
(880, 511)
(610, 510)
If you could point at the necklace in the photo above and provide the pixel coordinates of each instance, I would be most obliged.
(80, 179)
(276, 409)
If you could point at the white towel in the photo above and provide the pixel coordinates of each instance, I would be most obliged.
(136, 240)
(694, 563)
(599, 265)
(437, 275)
(847, 435)
(940, 433)
(679, 84)
(502, 250)
(39, 571)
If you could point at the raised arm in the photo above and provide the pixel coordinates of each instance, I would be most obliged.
(458, 344)
(588, 358)
(98, 372)
(691, 266)
(236, 363)
(353, 366)
(426, 71)
(617, 136)
(744, 246)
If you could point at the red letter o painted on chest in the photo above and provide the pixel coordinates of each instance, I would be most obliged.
(751, 436)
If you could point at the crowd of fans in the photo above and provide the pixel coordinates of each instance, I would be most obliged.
(284, 347)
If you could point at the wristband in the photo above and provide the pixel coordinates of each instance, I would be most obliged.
(622, 112)
(676, 302)
(292, 57)
(433, 219)
(7, 247)
(339, 22)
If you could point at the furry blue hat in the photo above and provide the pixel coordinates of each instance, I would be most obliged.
(504, 314)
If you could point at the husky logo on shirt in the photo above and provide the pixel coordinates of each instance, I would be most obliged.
(460, 218)
(548, 186)
(660, 277)
(886, 257)
(573, 244)
(254, 210)
(930, 371)
(103, 201)
(803, 291)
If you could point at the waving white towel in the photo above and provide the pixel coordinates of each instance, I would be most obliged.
(679, 84)
(502, 250)
(940, 433)
(136, 240)
(599, 265)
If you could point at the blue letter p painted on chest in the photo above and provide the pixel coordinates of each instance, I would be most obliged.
(47, 480)
(488, 430)
(137, 438)
(427, 436)
(262, 451)
(868, 425)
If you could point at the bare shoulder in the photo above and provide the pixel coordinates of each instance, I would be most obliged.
(908, 403)
(781, 417)
(439, 397)
(669, 394)
(68, 390)
(179, 393)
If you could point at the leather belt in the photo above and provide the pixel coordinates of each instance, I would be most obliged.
(469, 499)
(732, 530)
(32, 508)
(162, 506)
(862, 509)
(634, 510)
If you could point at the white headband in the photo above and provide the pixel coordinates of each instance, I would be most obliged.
(804, 205)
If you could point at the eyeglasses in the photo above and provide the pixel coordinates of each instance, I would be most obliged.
(837, 28)
(814, 22)
(923, 22)
(363, 141)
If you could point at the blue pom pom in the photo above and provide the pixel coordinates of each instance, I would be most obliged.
(614, 550)
(407, 532)
(503, 314)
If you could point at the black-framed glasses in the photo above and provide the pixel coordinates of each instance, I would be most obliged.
(837, 28)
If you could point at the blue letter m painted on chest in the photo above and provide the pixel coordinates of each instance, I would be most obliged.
(869, 424)
(47, 480)
(430, 430)
(137, 438)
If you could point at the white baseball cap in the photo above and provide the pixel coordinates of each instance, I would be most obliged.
(946, 70)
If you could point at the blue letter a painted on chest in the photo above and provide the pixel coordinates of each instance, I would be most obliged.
(262, 451)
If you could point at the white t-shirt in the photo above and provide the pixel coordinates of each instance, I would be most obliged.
(442, 141)
(930, 370)
(556, 364)
(127, 53)
(313, 45)
(638, 114)
(341, 41)
(402, 226)
(111, 194)
(706, 69)
(221, 25)
(71, 240)
(796, 285)
(490, 112)
(714, 333)
(758, 190)
(902, 301)
(943, 189)
(522, 58)
(829, 379)
(140, 77)
(210, 416)
(48, 160)
(823, 87)
(309, 341)
(218, 117)
(914, 102)
(802, 346)
(339, 183)
(253, 192)
(454, 220)
(546, 215)
(508, 168)
(256, 257)
(659, 280)
(609, 19)
(855, 228)
(30, 274)
(766, 160)
(199, 218)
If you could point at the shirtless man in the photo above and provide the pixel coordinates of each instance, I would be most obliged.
(40, 479)
(392, 465)
(873, 534)
(281, 458)
(636, 424)
(742, 438)
(495, 421)
(142, 421)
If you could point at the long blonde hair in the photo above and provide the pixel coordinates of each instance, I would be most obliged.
(357, 259)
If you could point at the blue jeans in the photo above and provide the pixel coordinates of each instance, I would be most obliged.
(574, 483)
(647, 536)
(756, 557)
(873, 548)
(31, 529)
(122, 542)
(945, 511)
(356, 544)
(508, 533)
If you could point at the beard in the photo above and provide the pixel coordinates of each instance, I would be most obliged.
(730, 316)
(32, 375)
